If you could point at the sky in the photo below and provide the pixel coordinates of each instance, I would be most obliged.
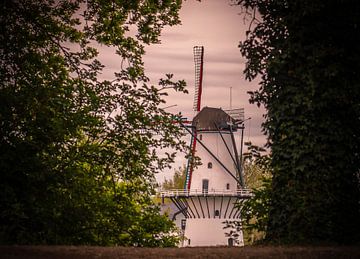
(218, 26)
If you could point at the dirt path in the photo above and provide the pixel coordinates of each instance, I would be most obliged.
(251, 252)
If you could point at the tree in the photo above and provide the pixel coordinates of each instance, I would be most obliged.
(255, 211)
(256, 165)
(77, 153)
(178, 180)
(306, 55)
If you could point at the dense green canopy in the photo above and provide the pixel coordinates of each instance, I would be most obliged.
(77, 153)
(307, 55)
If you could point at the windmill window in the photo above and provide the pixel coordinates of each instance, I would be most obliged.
(227, 186)
(200, 137)
(209, 165)
(217, 213)
(183, 224)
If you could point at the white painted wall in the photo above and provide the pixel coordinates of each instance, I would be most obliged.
(203, 227)
(207, 232)
(217, 175)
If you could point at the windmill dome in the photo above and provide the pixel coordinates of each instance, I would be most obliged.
(212, 119)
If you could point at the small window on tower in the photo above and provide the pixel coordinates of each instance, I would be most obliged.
(217, 213)
(209, 165)
(200, 137)
(183, 224)
(227, 186)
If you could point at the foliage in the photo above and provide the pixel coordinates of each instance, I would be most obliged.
(77, 152)
(235, 227)
(306, 54)
(256, 165)
(255, 211)
(178, 180)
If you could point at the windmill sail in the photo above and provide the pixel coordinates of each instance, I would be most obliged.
(199, 63)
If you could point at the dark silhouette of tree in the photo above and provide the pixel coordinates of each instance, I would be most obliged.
(306, 54)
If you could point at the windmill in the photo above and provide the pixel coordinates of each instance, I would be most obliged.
(213, 188)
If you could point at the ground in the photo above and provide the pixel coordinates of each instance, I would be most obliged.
(249, 252)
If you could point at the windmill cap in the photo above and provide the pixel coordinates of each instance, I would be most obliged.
(212, 119)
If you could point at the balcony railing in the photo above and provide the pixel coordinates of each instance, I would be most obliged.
(245, 193)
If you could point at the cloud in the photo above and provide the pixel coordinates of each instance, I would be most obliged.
(171, 36)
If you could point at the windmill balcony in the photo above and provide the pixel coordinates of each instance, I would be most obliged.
(240, 193)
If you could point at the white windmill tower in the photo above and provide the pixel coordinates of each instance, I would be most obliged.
(211, 189)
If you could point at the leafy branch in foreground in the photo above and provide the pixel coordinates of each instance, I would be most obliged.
(78, 152)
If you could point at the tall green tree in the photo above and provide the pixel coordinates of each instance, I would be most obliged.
(306, 54)
(77, 153)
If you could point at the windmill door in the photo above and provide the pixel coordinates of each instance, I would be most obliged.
(205, 186)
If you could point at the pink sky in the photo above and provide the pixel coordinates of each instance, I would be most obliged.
(218, 27)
